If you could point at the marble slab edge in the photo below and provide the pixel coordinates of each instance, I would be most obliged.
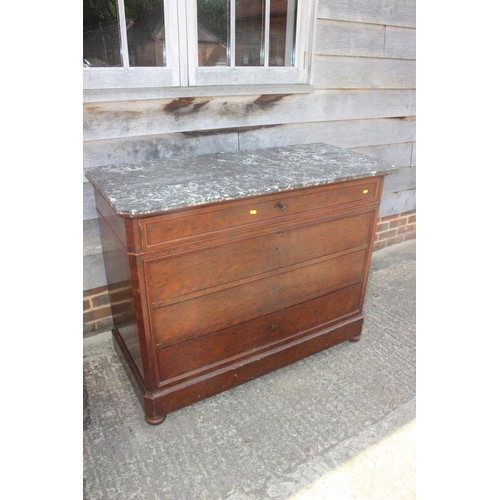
(159, 186)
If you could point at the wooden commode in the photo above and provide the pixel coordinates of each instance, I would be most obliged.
(232, 265)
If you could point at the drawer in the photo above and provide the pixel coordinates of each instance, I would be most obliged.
(173, 277)
(230, 345)
(199, 316)
(224, 216)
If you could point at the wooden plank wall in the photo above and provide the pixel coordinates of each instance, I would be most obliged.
(364, 99)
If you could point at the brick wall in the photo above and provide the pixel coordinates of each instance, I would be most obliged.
(96, 310)
(97, 315)
(96, 302)
(395, 229)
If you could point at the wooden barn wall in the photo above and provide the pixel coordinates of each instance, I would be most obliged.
(364, 99)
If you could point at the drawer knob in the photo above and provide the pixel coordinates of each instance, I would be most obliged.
(282, 207)
(365, 191)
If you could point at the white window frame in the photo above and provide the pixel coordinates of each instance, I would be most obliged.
(182, 70)
(234, 75)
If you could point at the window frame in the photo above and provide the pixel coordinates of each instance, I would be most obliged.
(140, 77)
(182, 70)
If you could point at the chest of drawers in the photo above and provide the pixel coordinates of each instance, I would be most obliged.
(226, 267)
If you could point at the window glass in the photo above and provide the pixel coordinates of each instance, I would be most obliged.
(250, 32)
(145, 32)
(101, 34)
(172, 43)
(102, 43)
(213, 32)
(282, 32)
(249, 43)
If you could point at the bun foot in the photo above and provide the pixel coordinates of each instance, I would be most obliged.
(155, 420)
(355, 339)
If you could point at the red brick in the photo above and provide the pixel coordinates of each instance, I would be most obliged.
(387, 234)
(389, 217)
(395, 240)
(86, 305)
(100, 300)
(410, 236)
(96, 314)
(120, 295)
(379, 245)
(406, 229)
(382, 226)
(399, 222)
(412, 219)
(123, 307)
(95, 291)
(119, 286)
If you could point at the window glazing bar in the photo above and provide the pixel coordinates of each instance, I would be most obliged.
(232, 35)
(267, 23)
(123, 33)
(290, 33)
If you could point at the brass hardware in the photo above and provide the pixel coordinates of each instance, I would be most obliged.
(253, 212)
(365, 191)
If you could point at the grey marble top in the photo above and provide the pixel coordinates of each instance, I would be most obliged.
(160, 185)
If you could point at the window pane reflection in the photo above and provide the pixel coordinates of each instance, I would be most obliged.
(145, 32)
(282, 32)
(101, 34)
(249, 43)
(213, 32)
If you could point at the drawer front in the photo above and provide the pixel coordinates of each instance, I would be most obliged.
(179, 275)
(233, 344)
(192, 318)
(168, 228)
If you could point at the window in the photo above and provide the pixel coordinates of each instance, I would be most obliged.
(196, 43)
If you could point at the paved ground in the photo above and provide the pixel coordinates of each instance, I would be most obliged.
(337, 425)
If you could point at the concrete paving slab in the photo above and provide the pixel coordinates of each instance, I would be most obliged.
(339, 424)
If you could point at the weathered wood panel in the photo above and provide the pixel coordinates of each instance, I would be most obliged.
(91, 238)
(107, 95)
(396, 154)
(145, 118)
(94, 274)
(403, 179)
(338, 72)
(89, 211)
(397, 203)
(390, 12)
(349, 39)
(114, 151)
(345, 134)
(400, 43)
(413, 162)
